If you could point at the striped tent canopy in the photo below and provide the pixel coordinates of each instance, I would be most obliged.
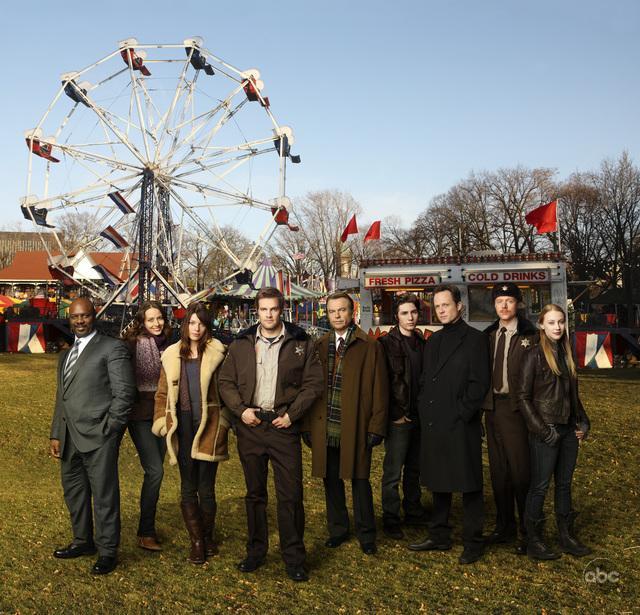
(265, 275)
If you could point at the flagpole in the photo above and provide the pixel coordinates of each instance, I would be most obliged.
(558, 224)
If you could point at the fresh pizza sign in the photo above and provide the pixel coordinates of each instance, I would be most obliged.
(400, 281)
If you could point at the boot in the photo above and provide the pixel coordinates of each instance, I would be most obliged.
(193, 523)
(568, 541)
(209, 522)
(536, 547)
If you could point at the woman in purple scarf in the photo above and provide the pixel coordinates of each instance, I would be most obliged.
(147, 339)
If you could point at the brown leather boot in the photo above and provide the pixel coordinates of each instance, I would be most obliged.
(193, 523)
(209, 523)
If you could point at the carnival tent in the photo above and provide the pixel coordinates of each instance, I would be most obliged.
(265, 275)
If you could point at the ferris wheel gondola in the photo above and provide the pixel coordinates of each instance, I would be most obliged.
(150, 143)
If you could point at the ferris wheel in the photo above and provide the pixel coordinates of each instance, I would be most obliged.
(153, 145)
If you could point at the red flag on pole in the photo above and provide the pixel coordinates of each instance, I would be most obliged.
(544, 218)
(373, 232)
(351, 229)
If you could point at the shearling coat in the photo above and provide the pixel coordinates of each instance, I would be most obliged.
(210, 442)
(365, 401)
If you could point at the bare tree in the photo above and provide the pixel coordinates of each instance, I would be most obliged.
(76, 229)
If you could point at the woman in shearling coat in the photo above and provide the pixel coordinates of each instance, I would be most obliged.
(189, 414)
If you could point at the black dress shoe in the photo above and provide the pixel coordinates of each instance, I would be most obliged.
(335, 541)
(469, 556)
(430, 545)
(249, 564)
(75, 551)
(498, 537)
(297, 573)
(393, 531)
(369, 548)
(104, 565)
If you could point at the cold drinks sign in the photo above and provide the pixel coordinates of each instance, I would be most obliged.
(491, 277)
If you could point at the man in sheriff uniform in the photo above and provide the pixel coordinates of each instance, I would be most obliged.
(510, 337)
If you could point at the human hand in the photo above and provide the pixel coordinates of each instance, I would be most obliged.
(552, 437)
(581, 435)
(54, 448)
(402, 421)
(282, 421)
(249, 417)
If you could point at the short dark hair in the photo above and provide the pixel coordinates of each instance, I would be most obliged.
(452, 288)
(406, 298)
(341, 294)
(270, 292)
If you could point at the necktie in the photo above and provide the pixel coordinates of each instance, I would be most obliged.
(340, 348)
(71, 361)
(498, 364)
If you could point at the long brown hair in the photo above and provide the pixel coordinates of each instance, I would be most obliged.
(137, 328)
(201, 311)
(546, 344)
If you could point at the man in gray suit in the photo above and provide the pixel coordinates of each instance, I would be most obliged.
(96, 389)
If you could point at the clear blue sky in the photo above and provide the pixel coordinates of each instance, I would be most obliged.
(391, 101)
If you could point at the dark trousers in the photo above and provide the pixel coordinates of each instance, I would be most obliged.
(473, 519)
(558, 461)
(337, 515)
(198, 483)
(402, 452)
(256, 447)
(151, 451)
(88, 477)
(508, 446)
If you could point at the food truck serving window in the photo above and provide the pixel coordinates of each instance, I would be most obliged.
(384, 302)
(481, 305)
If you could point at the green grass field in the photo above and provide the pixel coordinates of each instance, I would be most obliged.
(34, 521)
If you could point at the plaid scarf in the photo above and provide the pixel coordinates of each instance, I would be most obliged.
(334, 398)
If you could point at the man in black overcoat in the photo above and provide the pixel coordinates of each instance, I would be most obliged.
(455, 380)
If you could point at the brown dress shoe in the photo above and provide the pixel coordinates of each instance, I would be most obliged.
(150, 543)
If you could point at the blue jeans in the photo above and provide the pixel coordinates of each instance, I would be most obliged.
(151, 451)
(402, 450)
(558, 461)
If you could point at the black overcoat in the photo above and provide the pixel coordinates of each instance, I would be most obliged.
(455, 380)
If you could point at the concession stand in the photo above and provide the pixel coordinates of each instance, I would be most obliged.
(540, 277)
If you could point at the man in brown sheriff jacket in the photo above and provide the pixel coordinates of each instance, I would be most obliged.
(510, 338)
(270, 378)
(348, 421)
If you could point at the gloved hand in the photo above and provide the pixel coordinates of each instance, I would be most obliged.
(373, 439)
(306, 438)
(553, 436)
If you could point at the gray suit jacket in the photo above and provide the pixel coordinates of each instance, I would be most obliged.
(97, 398)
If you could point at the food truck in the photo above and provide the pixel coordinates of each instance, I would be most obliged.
(541, 278)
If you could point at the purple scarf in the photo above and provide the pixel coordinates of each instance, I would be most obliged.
(148, 350)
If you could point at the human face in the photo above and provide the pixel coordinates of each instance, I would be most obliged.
(196, 328)
(269, 312)
(446, 308)
(407, 317)
(506, 308)
(340, 314)
(554, 325)
(82, 317)
(154, 321)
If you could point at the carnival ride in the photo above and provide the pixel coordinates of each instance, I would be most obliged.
(153, 144)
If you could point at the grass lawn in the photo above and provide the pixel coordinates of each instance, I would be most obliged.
(35, 521)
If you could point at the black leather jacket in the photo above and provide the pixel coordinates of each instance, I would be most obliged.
(544, 398)
(399, 368)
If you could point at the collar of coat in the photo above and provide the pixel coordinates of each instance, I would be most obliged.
(525, 327)
(291, 330)
(212, 357)
(395, 334)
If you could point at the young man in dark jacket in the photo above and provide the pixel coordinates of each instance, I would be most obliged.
(510, 339)
(270, 378)
(403, 349)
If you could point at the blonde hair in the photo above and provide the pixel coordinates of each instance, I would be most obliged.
(546, 344)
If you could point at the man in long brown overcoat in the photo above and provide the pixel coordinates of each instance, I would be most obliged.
(348, 420)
